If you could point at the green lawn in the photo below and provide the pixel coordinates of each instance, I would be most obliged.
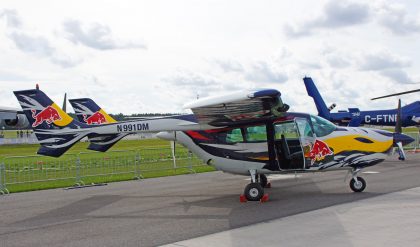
(20, 150)
(128, 159)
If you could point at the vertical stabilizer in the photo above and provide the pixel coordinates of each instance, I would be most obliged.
(55, 130)
(319, 102)
(87, 111)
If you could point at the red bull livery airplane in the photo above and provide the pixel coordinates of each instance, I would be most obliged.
(248, 133)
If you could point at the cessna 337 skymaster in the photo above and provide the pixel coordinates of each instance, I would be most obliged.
(247, 133)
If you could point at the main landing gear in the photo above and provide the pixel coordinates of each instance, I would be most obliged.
(255, 190)
(357, 184)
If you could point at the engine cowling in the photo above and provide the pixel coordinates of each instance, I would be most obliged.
(19, 122)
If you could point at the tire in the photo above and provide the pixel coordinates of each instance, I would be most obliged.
(263, 180)
(254, 192)
(358, 187)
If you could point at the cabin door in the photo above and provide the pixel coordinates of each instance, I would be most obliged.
(307, 139)
(287, 145)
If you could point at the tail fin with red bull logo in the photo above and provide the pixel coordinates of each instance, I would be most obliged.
(87, 111)
(55, 130)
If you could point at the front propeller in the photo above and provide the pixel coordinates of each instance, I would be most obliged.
(399, 139)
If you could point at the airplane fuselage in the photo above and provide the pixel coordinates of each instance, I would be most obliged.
(374, 117)
(297, 142)
(243, 148)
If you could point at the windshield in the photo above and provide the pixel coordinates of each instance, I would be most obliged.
(322, 127)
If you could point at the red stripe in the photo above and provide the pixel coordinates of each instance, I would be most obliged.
(196, 135)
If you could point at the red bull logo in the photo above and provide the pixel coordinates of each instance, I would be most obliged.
(48, 115)
(95, 118)
(319, 150)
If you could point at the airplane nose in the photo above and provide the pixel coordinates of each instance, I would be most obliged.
(404, 139)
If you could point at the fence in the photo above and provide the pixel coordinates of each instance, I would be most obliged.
(415, 144)
(22, 173)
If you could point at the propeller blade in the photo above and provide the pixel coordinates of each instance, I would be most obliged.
(398, 125)
(396, 94)
(65, 102)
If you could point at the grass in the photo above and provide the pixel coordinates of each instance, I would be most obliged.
(26, 171)
(30, 149)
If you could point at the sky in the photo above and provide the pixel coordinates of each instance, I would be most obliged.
(155, 56)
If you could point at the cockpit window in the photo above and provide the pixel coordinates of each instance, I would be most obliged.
(322, 127)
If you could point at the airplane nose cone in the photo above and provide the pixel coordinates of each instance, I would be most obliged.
(404, 139)
(169, 136)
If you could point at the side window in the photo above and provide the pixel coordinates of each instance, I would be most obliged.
(234, 136)
(256, 133)
(288, 129)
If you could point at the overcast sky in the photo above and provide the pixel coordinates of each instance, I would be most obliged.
(154, 56)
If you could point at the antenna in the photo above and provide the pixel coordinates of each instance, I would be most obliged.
(65, 102)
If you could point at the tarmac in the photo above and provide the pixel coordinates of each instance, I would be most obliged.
(204, 210)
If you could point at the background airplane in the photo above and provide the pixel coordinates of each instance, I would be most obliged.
(410, 114)
(13, 117)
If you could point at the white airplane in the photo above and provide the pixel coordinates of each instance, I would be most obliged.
(13, 117)
(248, 133)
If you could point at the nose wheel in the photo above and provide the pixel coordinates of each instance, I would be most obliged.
(357, 184)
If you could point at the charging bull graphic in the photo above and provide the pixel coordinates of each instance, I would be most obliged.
(48, 115)
(319, 151)
(95, 118)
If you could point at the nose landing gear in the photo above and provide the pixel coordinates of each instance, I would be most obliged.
(357, 184)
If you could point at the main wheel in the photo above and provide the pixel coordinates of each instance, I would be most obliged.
(358, 186)
(254, 192)
(263, 180)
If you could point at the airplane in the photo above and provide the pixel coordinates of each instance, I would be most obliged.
(13, 117)
(410, 114)
(248, 133)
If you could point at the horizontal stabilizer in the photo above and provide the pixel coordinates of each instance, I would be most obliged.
(102, 143)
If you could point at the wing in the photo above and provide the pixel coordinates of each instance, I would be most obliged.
(244, 106)
(8, 113)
